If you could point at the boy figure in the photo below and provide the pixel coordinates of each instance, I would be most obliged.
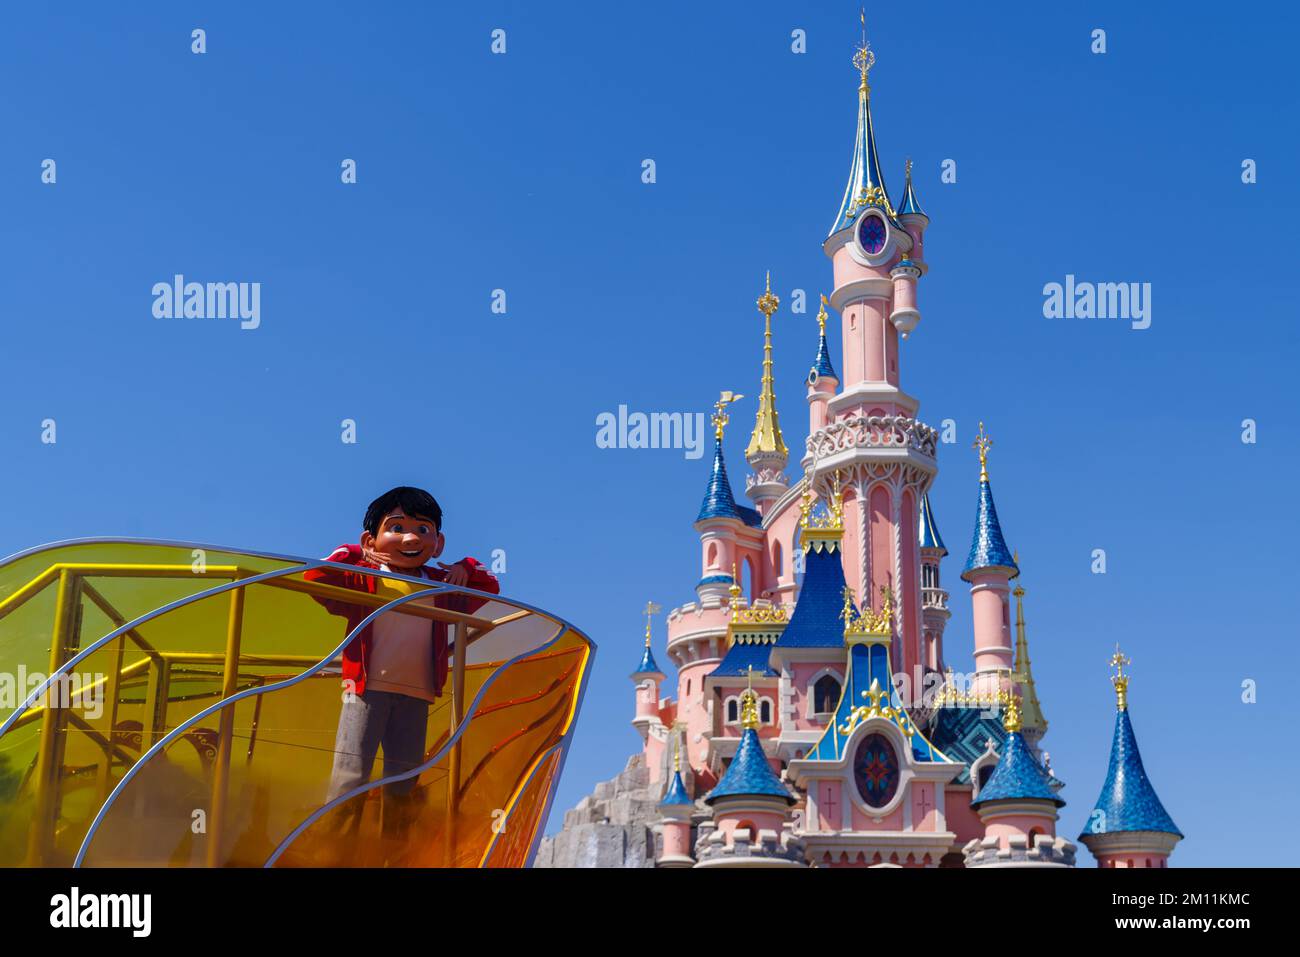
(396, 665)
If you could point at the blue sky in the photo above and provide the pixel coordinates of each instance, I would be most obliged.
(522, 172)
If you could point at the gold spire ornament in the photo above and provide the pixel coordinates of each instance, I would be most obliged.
(749, 703)
(1011, 719)
(821, 315)
(864, 59)
(1118, 661)
(720, 415)
(651, 609)
(767, 440)
(870, 626)
(982, 444)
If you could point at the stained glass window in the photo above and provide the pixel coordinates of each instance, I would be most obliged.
(875, 770)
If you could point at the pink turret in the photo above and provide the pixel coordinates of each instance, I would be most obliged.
(989, 569)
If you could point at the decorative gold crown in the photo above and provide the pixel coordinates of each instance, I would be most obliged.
(1120, 680)
(821, 529)
(868, 624)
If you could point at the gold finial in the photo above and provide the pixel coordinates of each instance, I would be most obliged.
(1011, 716)
(651, 609)
(720, 414)
(864, 59)
(847, 612)
(821, 316)
(768, 302)
(735, 586)
(749, 702)
(1119, 679)
(908, 167)
(983, 443)
(833, 520)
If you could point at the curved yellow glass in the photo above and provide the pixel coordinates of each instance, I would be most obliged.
(194, 717)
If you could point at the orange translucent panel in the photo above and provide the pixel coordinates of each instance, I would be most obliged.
(231, 689)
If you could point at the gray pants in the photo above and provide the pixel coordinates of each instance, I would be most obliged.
(397, 721)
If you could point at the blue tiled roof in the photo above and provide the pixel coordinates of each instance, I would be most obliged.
(749, 773)
(868, 664)
(718, 500)
(816, 621)
(713, 579)
(987, 548)
(865, 172)
(910, 204)
(676, 793)
(1128, 802)
(822, 367)
(740, 657)
(749, 516)
(961, 734)
(1017, 777)
(648, 665)
(929, 530)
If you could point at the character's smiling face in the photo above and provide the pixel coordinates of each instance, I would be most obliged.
(404, 543)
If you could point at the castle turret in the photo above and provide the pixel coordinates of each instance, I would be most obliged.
(721, 520)
(648, 677)
(766, 452)
(913, 217)
(676, 807)
(1128, 826)
(751, 824)
(1017, 806)
(822, 381)
(934, 600)
(989, 569)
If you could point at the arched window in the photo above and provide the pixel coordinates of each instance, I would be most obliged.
(986, 772)
(826, 694)
(778, 559)
(1033, 836)
(733, 711)
(747, 578)
(712, 559)
(765, 711)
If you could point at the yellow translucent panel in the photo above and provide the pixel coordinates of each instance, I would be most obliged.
(232, 780)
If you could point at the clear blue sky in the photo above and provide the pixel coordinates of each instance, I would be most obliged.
(523, 172)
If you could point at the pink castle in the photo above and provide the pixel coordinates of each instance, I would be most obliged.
(816, 720)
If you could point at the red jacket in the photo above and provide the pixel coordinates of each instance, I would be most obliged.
(356, 654)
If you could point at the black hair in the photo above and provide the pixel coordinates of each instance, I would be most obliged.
(415, 502)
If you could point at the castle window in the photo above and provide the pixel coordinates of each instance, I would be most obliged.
(765, 711)
(733, 711)
(826, 694)
(875, 770)
(986, 772)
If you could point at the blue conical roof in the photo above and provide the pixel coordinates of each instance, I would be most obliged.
(929, 530)
(1017, 777)
(822, 368)
(749, 773)
(910, 204)
(1128, 802)
(718, 500)
(988, 549)
(816, 622)
(648, 666)
(676, 793)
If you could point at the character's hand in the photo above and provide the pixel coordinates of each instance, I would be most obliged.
(456, 574)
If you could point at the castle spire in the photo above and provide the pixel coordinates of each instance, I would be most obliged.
(719, 502)
(766, 444)
(910, 206)
(1128, 825)
(988, 548)
(866, 186)
(1034, 722)
(821, 368)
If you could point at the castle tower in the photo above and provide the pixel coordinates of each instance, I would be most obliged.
(648, 677)
(1017, 807)
(884, 457)
(676, 824)
(766, 452)
(1034, 724)
(934, 600)
(751, 808)
(989, 569)
(729, 533)
(1128, 826)
(822, 381)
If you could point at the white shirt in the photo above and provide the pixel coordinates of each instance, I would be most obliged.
(401, 651)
